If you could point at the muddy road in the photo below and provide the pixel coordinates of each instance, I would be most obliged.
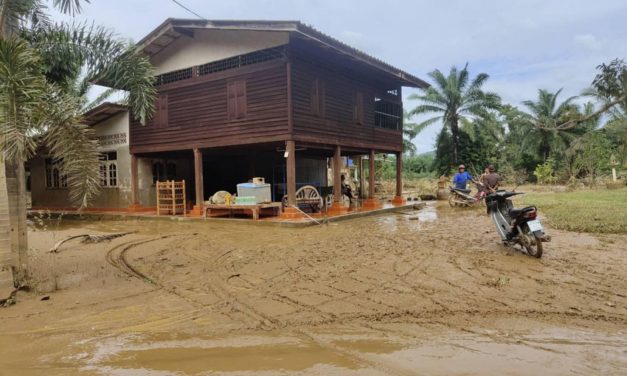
(373, 296)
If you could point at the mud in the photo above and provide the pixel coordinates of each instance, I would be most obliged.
(373, 296)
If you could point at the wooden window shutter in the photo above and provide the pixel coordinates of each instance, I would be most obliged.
(161, 117)
(231, 100)
(237, 104)
(242, 105)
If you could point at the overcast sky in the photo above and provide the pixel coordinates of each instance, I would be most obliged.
(522, 45)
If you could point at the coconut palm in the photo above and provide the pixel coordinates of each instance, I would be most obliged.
(45, 71)
(453, 98)
(544, 118)
(410, 131)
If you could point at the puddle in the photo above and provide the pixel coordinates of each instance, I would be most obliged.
(138, 356)
(192, 360)
(419, 350)
(372, 346)
(548, 352)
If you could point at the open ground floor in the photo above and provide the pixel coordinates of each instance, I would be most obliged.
(382, 295)
(308, 179)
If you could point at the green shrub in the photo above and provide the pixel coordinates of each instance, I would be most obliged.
(544, 172)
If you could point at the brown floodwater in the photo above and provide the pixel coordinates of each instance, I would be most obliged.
(412, 293)
(343, 351)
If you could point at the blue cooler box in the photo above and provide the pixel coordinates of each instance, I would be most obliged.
(261, 192)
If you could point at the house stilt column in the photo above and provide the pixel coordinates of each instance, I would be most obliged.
(198, 184)
(290, 149)
(337, 174)
(291, 211)
(135, 205)
(372, 201)
(398, 198)
(362, 181)
(337, 207)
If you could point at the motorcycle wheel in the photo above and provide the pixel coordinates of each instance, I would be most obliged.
(533, 245)
(451, 200)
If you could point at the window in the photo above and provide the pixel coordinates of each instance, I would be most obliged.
(54, 177)
(163, 171)
(317, 98)
(109, 169)
(388, 115)
(161, 116)
(236, 99)
(358, 111)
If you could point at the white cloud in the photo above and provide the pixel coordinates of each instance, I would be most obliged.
(351, 35)
(589, 41)
(523, 45)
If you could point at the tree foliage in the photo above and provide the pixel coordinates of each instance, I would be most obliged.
(454, 98)
(46, 71)
(573, 140)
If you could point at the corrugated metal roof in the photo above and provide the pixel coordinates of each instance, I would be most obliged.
(103, 112)
(173, 28)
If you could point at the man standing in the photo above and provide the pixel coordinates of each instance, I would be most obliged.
(491, 180)
(461, 178)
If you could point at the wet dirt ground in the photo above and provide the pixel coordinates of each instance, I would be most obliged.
(387, 295)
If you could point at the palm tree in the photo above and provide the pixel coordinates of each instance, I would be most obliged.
(453, 98)
(410, 131)
(45, 71)
(544, 118)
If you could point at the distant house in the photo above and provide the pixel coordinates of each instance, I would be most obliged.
(237, 99)
(48, 184)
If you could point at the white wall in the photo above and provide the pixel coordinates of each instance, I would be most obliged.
(117, 125)
(113, 136)
(212, 45)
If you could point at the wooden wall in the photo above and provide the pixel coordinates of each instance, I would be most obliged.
(197, 111)
(338, 124)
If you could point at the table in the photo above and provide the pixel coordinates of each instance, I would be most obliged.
(255, 208)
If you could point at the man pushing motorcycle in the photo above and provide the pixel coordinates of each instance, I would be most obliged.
(461, 178)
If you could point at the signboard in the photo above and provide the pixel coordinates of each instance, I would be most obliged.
(112, 139)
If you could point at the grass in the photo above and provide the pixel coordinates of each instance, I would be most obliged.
(598, 211)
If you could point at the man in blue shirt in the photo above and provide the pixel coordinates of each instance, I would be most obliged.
(461, 178)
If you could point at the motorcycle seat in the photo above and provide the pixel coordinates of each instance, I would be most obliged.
(465, 191)
(516, 212)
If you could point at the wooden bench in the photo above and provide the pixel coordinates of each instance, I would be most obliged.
(254, 209)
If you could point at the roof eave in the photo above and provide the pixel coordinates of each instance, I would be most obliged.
(171, 24)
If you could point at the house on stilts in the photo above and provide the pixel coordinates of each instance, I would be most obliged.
(241, 99)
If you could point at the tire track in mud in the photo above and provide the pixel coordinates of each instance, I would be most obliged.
(221, 291)
(116, 257)
(387, 368)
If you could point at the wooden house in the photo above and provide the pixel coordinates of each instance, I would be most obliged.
(240, 99)
(266, 98)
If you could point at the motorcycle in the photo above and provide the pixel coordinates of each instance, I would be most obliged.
(462, 197)
(516, 226)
